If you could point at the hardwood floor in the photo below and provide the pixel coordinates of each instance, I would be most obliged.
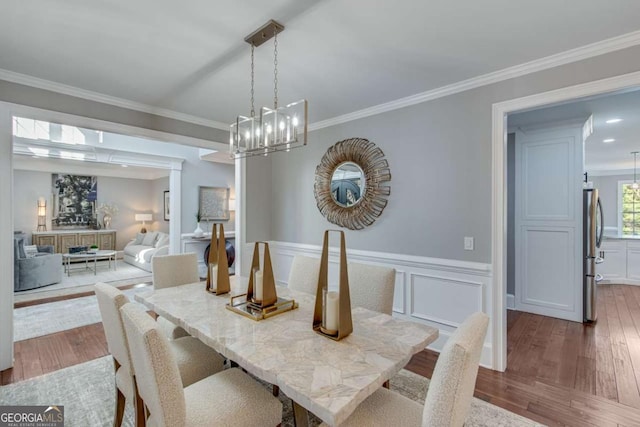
(560, 373)
(565, 373)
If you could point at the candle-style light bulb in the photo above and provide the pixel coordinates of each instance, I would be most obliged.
(295, 121)
(281, 125)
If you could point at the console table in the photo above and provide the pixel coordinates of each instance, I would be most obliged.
(198, 246)
(61, 240)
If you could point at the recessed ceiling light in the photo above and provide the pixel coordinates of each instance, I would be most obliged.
(611, 121)
(608, 140)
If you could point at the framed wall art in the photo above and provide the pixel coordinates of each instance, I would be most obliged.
(74, 199)
(214, 203)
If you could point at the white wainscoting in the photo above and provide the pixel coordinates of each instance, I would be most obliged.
(437, 292)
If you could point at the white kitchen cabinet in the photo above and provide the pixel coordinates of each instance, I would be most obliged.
(633, 260)
(614, 266)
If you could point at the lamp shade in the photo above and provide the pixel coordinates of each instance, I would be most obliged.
(144, 217)
(232, 204)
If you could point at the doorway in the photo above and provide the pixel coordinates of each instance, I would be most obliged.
(499, 192)
(7, 112)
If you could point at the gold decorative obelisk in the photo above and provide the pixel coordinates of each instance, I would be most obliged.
(218, 264)
(268, 285)
(332, 313)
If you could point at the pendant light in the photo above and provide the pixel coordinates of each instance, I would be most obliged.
(277, 128)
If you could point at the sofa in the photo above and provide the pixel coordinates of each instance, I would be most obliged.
(144, 247)
(31, 271)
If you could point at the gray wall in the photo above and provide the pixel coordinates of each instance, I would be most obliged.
(40, 98)
(130, 195)
(440, 158)
(158, 187)
(608, 190)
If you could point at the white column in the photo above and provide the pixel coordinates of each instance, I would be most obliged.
(175, 208)
(6, 242)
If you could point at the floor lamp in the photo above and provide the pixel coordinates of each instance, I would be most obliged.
(42, 214)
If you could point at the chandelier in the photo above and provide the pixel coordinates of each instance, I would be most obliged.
(274, 129)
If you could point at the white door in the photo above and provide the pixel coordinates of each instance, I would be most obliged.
(548, 222)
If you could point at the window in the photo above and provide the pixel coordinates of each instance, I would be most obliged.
(629, 209)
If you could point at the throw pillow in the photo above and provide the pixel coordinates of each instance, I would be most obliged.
(150, 238)
(139, 238)
(30, 251)
(20, 243)
(163, 240)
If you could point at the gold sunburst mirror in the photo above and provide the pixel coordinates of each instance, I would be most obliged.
(349, 182)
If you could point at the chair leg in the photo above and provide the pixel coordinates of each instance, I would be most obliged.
(120, 400)
(276, 390)
(139, 408)
(386, 384)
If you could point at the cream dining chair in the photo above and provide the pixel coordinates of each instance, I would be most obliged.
(228, 398)
(173, 270)
(304, 274)
(450, 391)
(195, 360)
(372, 287)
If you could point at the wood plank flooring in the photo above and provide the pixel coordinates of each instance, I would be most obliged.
(560, 373)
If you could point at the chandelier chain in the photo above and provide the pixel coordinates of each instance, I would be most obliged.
(253, 108)
(275, 69)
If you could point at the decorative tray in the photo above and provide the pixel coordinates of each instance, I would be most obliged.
(255, 311)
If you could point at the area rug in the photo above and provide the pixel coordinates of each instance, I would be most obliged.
(44, 319)
(81, 279)
(87, 393)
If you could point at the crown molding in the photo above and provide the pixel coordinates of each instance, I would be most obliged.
(584, 52)
(49, 85)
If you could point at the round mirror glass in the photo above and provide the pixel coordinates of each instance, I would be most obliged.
(347, 184)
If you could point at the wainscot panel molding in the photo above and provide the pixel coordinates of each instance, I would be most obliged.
(437, 292)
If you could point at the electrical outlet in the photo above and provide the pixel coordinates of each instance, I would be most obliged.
(468, 243)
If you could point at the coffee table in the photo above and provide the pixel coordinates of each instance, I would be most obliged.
(87, 257)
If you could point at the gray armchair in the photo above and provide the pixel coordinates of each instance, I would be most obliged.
(42, 270)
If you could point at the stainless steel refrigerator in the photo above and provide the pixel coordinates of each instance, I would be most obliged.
(592, 237)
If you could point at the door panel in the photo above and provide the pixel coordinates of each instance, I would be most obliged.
(548, 222)
(548, 265)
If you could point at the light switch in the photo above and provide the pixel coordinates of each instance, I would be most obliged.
(468, 243)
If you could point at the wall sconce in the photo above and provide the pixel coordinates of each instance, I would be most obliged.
(42, 214)
(143, 218)
(232, 205)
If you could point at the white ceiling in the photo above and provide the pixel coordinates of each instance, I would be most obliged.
(342, 56)
(600, 157)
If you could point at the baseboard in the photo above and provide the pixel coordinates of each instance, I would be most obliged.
(511, 302)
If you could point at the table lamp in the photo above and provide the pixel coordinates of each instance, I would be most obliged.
(143, 218)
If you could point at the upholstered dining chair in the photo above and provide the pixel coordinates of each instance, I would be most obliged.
(228, 398)
(304, 274)
(195, 360)
(173, 270)
(450, 391)
(371, 287)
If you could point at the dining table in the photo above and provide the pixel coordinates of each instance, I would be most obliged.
(325, 377)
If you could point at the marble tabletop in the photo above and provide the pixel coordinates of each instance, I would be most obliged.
(328, 378)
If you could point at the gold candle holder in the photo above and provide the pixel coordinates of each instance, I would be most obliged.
(332, 313)
(218, 269)
(262, 286)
